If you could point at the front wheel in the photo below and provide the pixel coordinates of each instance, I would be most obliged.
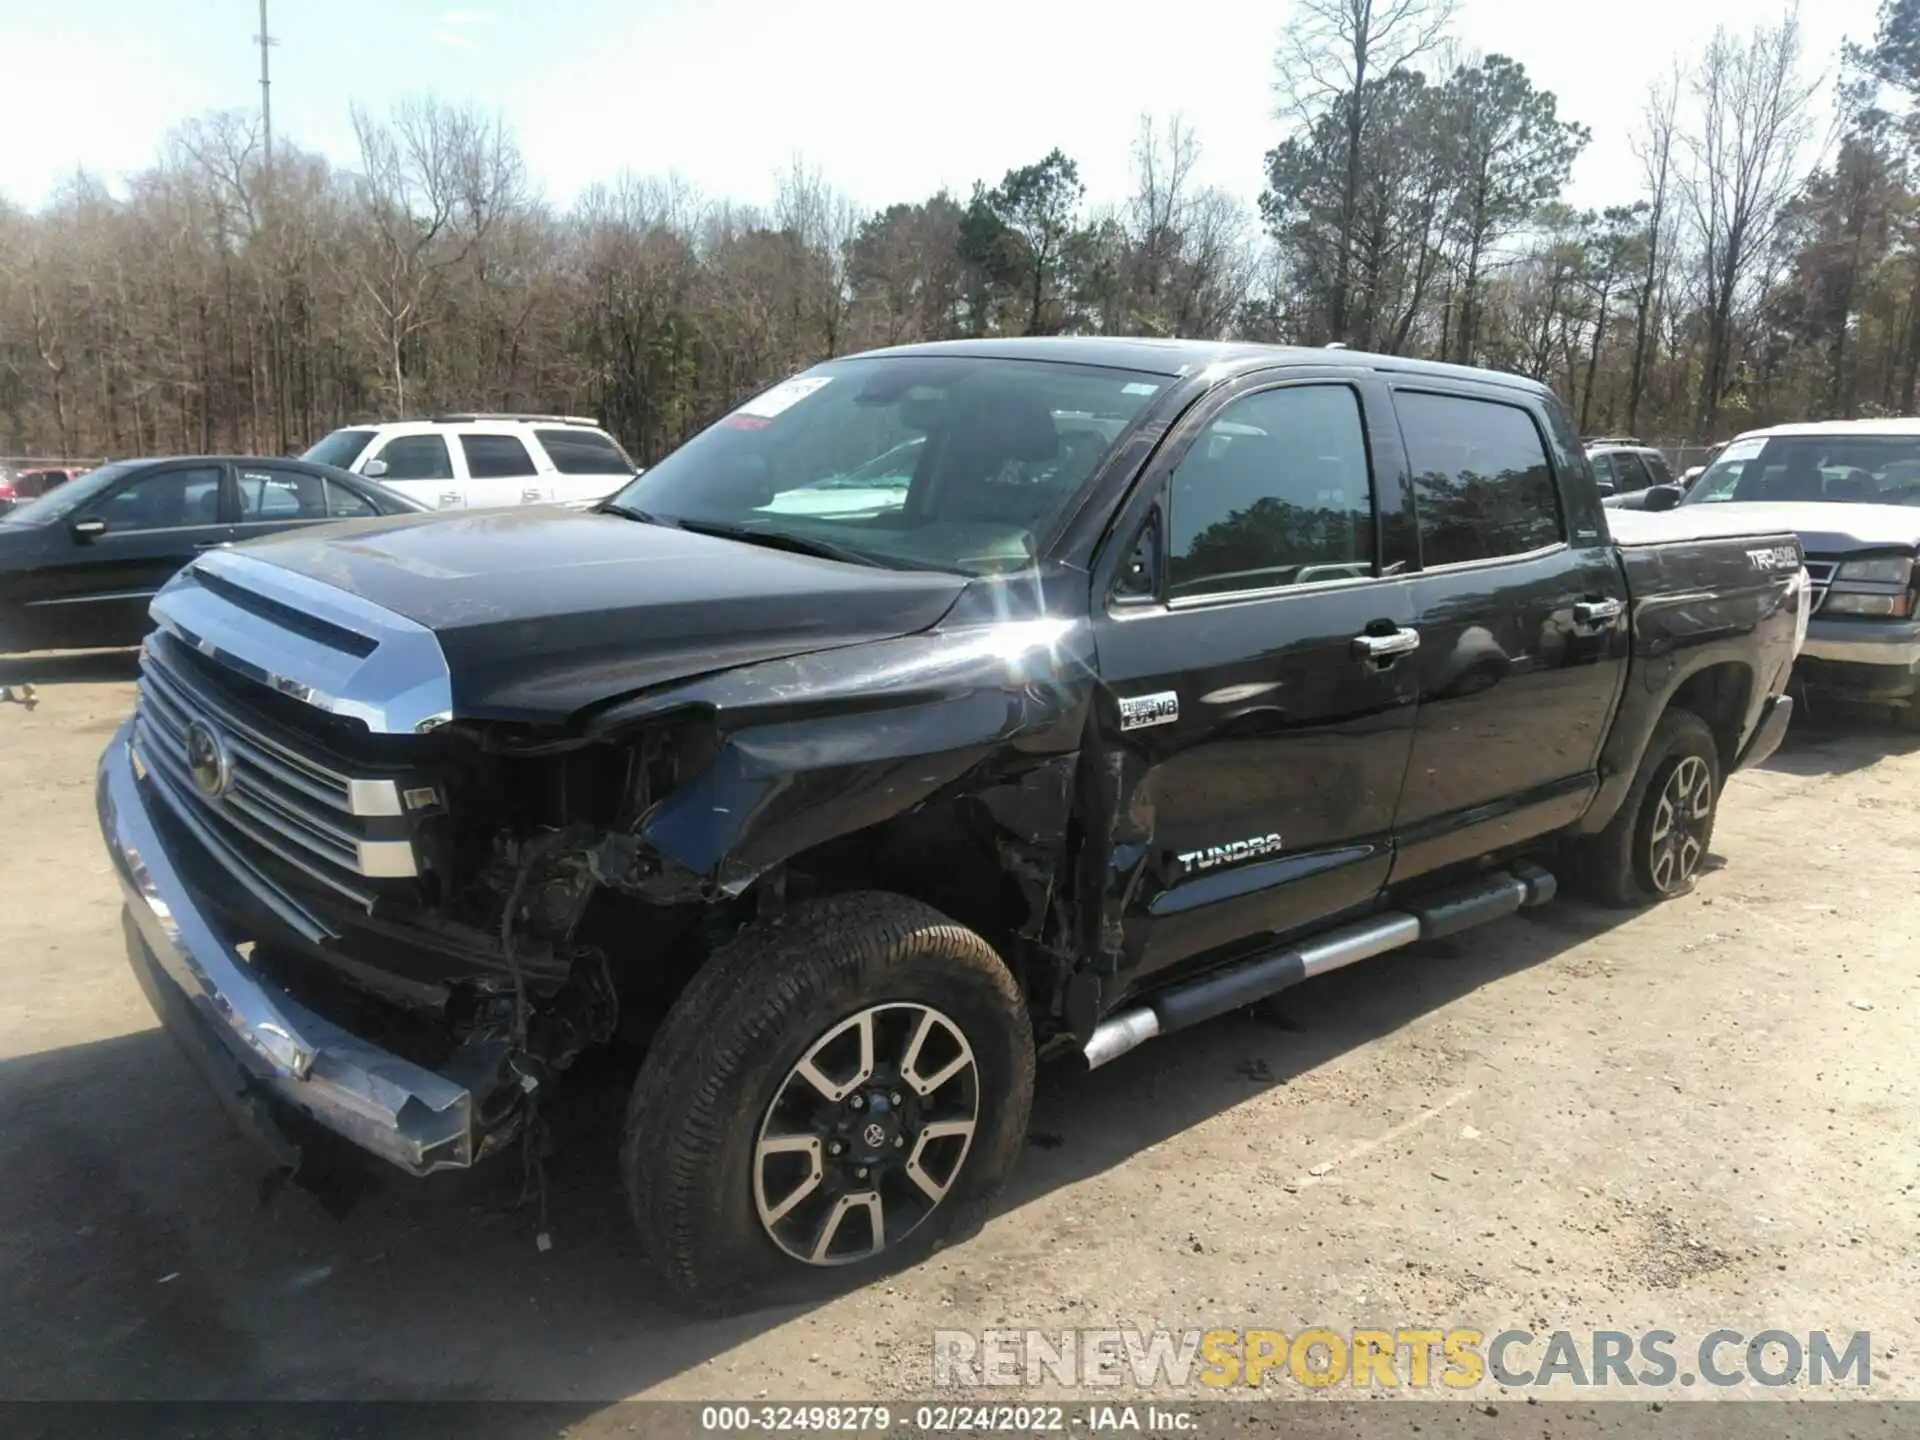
(1652, 848)
(836, 1092)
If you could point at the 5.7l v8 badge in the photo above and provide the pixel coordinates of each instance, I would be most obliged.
(1137, 712)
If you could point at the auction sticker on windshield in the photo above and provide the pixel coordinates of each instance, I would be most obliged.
(783, 397)
(1742, 450)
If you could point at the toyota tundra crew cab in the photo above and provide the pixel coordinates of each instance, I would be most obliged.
(937, 710)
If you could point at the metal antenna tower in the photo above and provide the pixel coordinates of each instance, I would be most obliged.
(265, 41)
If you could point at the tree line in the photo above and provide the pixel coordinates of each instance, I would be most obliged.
(1414, 203)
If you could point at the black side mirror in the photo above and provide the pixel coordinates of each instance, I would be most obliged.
(85, 530)
(1663, 497)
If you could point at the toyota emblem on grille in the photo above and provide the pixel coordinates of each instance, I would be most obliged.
(207, 759)
(874, 1134)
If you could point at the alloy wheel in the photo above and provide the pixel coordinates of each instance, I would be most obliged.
(1678, 838)
(867, 1134)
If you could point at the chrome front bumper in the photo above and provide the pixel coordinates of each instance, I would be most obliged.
(255, 1042)
(1864, 641)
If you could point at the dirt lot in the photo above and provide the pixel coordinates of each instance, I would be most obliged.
(1694, 1117)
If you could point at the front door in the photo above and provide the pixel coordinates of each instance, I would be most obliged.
(1523, 631)
(420, 467)
(120, 549)
(500, 471)
(1260, 706)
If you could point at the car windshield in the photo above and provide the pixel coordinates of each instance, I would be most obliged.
(66, 498)
(958, 463)
(339, 449)
(1835, 469)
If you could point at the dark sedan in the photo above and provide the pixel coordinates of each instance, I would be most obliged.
(79, 564)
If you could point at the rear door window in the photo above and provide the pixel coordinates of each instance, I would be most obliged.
(1483, 485)
(495, 457)
(271, 492)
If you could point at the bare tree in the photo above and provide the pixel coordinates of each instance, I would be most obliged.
(1754, 123)
(1654, 147)
(433, 183)
(1331, 49)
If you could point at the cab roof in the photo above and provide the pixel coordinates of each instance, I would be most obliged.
(1174, 358)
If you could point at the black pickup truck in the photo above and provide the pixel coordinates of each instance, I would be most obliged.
(936, 710)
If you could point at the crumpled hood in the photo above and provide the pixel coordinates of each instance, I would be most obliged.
(1824, 527)
(543, 610)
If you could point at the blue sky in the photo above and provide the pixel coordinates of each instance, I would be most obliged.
(893, 98)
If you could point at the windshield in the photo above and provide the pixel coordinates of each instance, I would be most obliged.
(66, 498)
(339, 449)
(1837, 469)
(948, 463)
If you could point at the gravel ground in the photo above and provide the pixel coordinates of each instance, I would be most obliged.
(1694, 1117)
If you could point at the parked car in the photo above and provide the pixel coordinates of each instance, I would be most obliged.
(1850, 490)
(32, 484)
(1625, 466)
(475, 461)
(79, 565)
(845, 816)
(17, 486)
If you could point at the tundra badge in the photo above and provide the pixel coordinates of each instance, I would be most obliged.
(1232, 853)
(1137, 712)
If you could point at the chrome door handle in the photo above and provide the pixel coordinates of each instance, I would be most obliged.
(213, 544)
(530, 496)
(1592, 612)
(1386, 647)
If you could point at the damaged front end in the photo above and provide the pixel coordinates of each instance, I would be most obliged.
(418, 977)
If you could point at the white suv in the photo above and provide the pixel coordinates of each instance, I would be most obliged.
(474, 462)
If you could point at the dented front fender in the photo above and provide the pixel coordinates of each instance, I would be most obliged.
(818, 746)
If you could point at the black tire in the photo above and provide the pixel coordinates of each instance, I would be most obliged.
(729, 1050)
(1620, 865)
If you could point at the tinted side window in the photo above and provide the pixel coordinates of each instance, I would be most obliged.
(1633, 472)
(1657, 465)
(342, 502)
(494, 457)
(1603, 471)
(169, 500)
(271, 493)
(417, 457)
(1481, 478)
(1275, 492)
(584, 452)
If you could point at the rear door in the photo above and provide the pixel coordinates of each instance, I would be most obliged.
(1522, 622)
(501, 471)
(121, 548)
(273, 498)
(1256, 648)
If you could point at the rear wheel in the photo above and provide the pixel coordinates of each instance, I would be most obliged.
(837, 1092)
(1652, 848)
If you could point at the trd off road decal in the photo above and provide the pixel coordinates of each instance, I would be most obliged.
(1775, 557)
(1137, 712)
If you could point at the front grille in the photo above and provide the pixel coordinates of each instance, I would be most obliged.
(1820, 573)
(278, 816)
